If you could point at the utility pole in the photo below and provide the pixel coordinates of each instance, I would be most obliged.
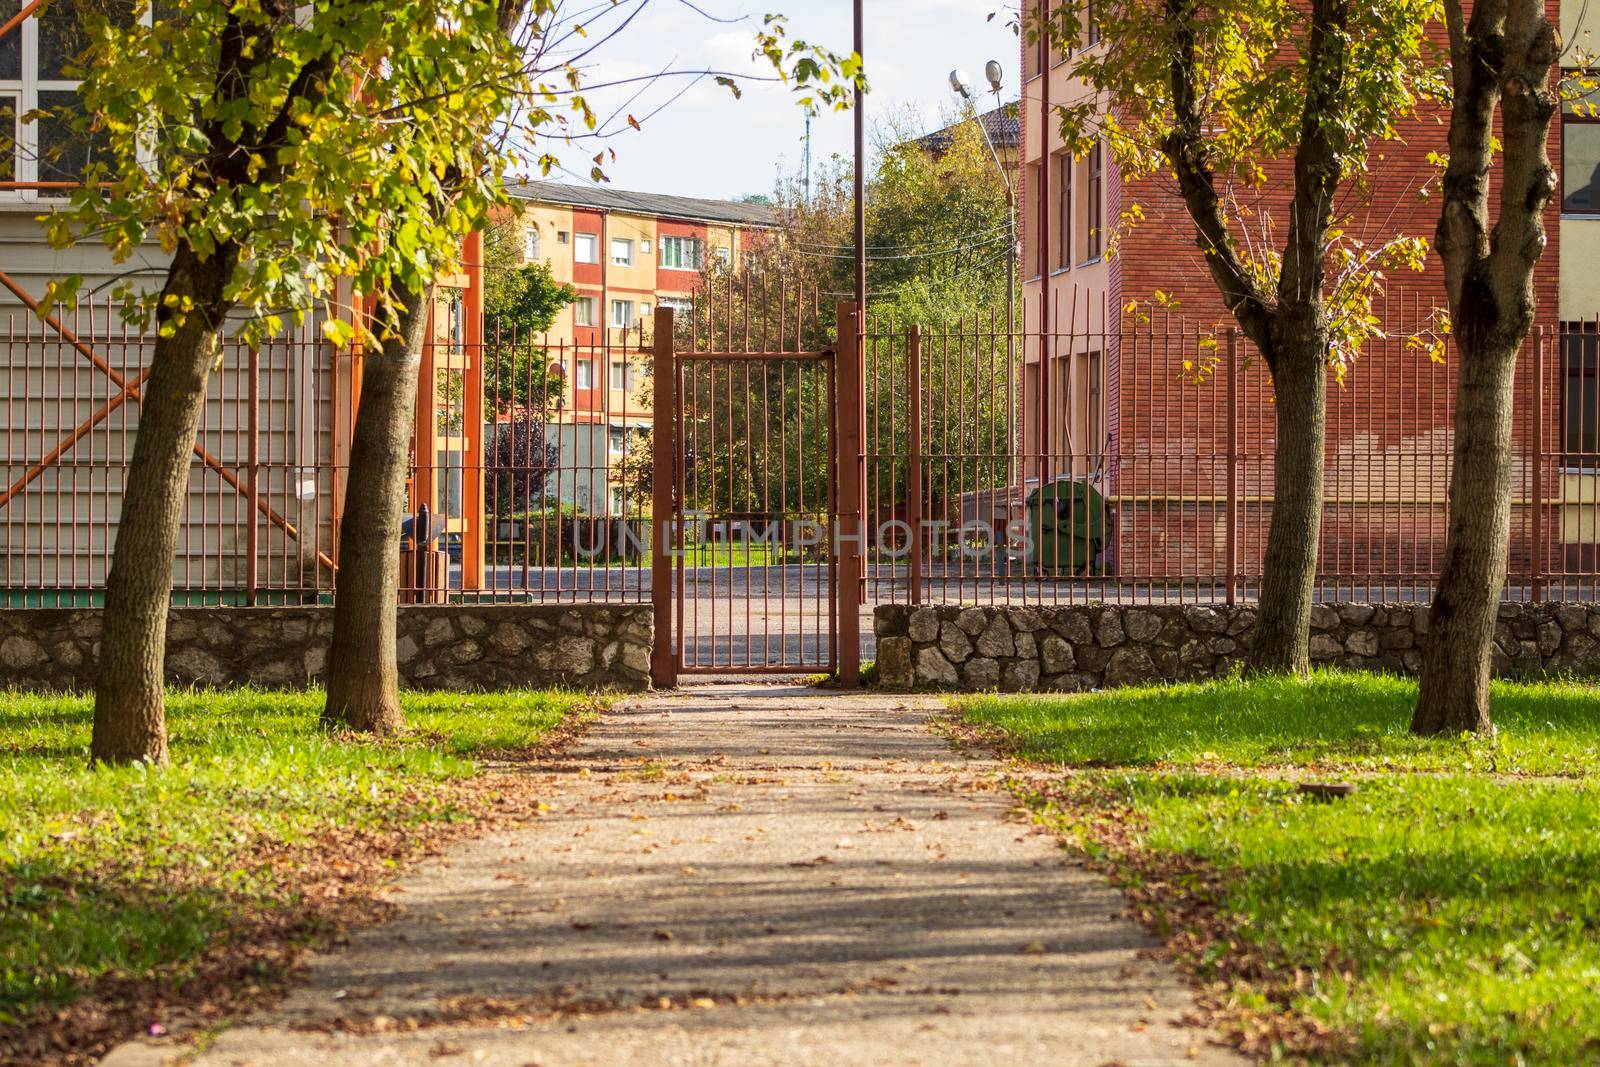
(860, 176)
(808, 159)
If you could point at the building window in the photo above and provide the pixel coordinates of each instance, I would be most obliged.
(618, 435)
(1091, 24)
(586, 248)
(1580, 158)
(530, 245)
(1064, 165)
(644, 246)
(1580, 401)
(722, 254)
(561, 237)
(452, 468)
(622, 314)
(621, 377)
(33, 61)
(1096, 197)
(621, 252)
(683, 253)
(1034, 250)
(583, 311)
(681, 305)
(1033, 54)
(1092, 423)
(583, 374)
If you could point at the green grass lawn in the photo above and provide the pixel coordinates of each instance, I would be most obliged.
(131, 874)
(1448, 912)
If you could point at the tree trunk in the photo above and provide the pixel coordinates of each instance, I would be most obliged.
(363, 676)
(129, 706)
(1453, 695)
(1289, 570)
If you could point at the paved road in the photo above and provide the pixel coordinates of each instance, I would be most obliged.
(742, 875)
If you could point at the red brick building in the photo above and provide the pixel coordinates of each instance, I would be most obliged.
(1116, 403)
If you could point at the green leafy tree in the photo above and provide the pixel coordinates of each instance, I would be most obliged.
(1211, 95)
(254, 142)
(1503, 65)
(363, 690)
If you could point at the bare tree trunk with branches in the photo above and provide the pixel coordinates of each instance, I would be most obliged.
(363, 674)
(1502, 58)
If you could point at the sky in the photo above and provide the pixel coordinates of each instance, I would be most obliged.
(706, 143)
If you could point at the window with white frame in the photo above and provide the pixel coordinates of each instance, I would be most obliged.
(583, 311)
(621, 252)
(583, 374)
(680, 304)
(621, 376)
(644, 310)
(622, 314)
(644, 246)
(34, 58)
(723, 255)
(586, 248)
(530, 245)
(682, 253)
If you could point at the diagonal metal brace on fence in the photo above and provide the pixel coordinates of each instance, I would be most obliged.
(130, 391)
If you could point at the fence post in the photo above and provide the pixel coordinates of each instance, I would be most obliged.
(663, 449)
(1232, 480)
(253, 460)
(914, 459)
(1536, 566)
(851, 415)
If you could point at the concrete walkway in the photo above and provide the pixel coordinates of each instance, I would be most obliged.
(746, 874)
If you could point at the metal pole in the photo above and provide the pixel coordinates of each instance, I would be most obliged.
(1537, 565)
(849, 541)
(914, 460)
(860, 175)
(1232, 536)
(253, 458)
(663, 449)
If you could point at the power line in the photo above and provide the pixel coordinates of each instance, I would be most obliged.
(909, 255)
(877, 248)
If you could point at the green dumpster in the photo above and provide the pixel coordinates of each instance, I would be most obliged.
(1067, 521)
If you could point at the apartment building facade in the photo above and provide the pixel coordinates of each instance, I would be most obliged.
(1094, 407)
(626, 253)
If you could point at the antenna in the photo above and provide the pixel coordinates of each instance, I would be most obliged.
(808, 158)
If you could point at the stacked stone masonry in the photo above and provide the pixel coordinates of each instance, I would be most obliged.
(468, 647)
(1070, 649)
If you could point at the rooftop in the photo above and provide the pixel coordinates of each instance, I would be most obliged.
(1003, 123)
(691, 208)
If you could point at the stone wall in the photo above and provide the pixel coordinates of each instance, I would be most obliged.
(466, 647)
(1077, 648)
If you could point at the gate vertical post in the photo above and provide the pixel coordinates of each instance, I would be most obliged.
(663, 454)
(1536, 565)
(1232, 511)
(848, 537)
(914, 459)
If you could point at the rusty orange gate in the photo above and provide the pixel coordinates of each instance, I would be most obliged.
(753, 569)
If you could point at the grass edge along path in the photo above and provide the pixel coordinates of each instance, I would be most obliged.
(136, 901)
(1436, 916)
